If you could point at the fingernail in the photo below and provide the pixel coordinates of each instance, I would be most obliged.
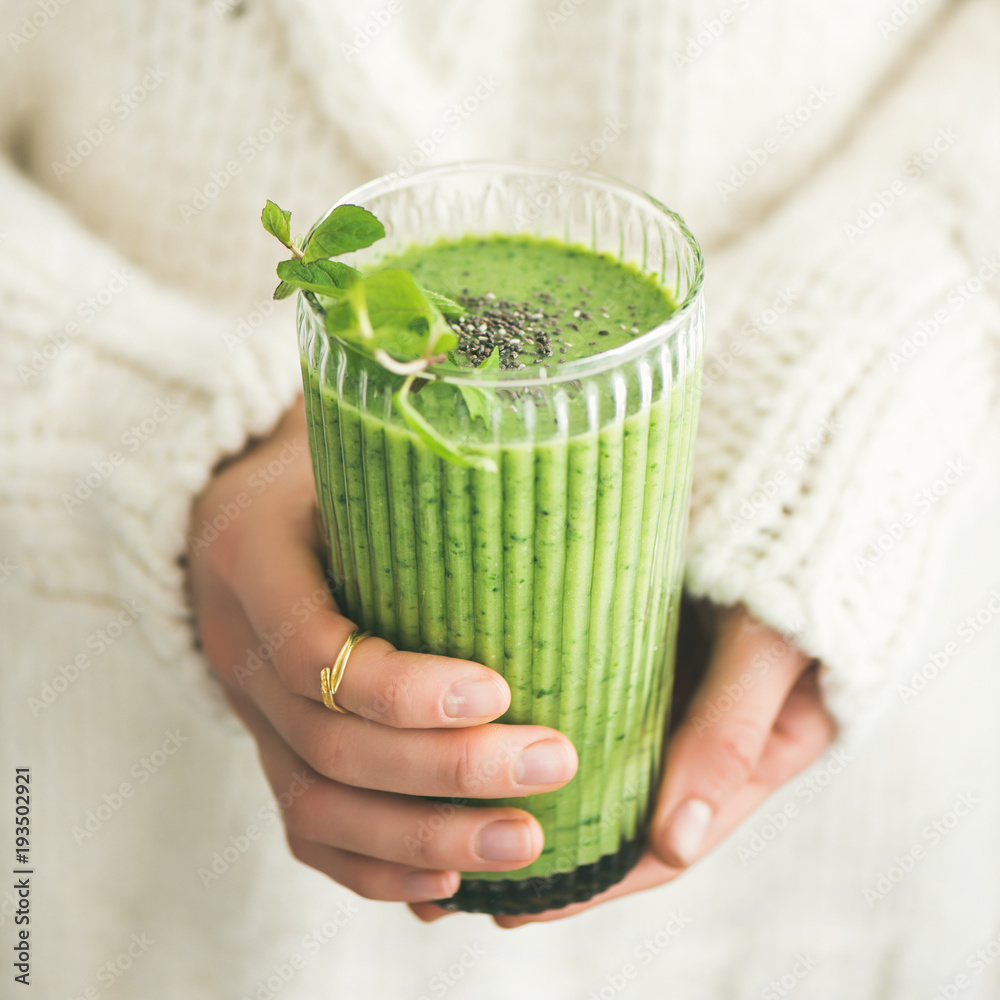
(430, 885)
(686, 831)
(473, 698)
(543, 763)
(505, 840)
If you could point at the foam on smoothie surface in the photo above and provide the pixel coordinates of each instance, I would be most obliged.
(544, 302)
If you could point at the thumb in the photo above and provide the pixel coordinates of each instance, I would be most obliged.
(716, 750)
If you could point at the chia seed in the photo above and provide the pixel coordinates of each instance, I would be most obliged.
(514, 329)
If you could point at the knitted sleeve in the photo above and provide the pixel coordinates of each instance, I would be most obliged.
(119, 396)
(852, 386)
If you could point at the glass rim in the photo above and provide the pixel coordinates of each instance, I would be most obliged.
(592, 364)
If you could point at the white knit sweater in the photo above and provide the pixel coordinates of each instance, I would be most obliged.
(839, 164)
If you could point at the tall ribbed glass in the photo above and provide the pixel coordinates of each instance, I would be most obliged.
(561, 569)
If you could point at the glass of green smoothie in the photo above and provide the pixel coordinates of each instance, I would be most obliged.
(551, 549)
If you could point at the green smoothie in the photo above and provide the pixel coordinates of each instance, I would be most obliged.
(560, 569)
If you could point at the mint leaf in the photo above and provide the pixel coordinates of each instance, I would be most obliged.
(444, 305)
(394, 296)
(480, 402)
(492, 363)
(284, 290)
(446, 339)
(405, 324)
(477, 401)
(276, 222)
(346, 228)
(326, 276)
(388, 313)
(342, 321)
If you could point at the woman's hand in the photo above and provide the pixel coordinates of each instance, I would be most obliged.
(755, 721)
(419, 724)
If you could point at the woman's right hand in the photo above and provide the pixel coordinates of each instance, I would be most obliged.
(419, 725)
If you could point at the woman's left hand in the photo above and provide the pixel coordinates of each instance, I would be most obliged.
(756, 721)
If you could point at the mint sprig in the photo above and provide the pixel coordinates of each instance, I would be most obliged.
(387, 314)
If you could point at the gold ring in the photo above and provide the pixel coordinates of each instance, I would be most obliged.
(330, 677)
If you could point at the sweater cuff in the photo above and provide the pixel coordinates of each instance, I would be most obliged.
(122, 396)
(851, 403)
(837, 452)
(834, 459)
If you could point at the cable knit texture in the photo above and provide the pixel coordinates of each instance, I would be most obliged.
(839, 165)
